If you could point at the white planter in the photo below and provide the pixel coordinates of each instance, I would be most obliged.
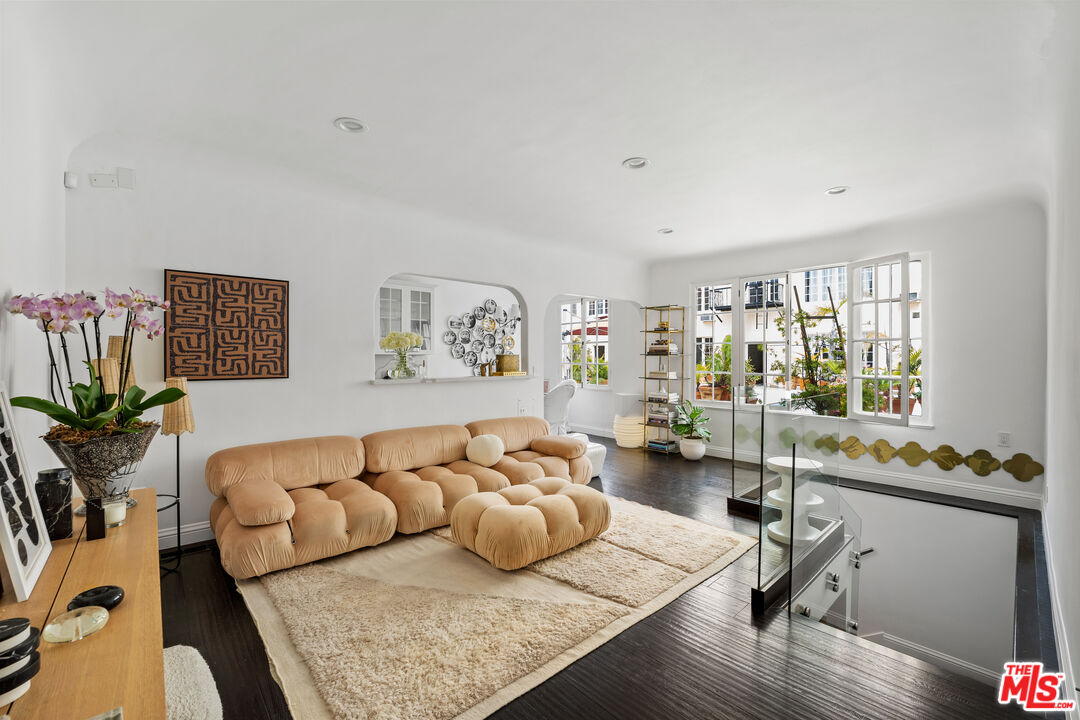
(692, 448)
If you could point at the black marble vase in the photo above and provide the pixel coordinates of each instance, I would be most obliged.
(54, 494)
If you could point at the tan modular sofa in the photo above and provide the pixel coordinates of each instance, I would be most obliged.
(532, 452)
(424, 470)
(287, 503)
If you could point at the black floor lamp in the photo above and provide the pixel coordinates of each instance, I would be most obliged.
(176, 419)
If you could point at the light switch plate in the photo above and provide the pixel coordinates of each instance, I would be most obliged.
(103, 180)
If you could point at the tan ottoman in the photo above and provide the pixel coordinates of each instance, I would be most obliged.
(521, 524)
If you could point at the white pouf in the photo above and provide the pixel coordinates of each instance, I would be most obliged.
(485, 450)
(594, 451)
(190, 692)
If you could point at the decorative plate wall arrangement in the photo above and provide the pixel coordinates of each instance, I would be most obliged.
(24, 538)
(483, 333)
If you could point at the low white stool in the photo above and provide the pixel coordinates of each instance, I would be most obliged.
(594, 451)
(795, 516)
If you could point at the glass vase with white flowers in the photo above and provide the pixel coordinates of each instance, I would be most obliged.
(401, 343)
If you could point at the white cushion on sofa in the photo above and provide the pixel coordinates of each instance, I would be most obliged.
(485, 450)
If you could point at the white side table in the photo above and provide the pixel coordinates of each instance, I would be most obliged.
(805, 501)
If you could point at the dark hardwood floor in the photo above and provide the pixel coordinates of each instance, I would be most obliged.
(702, 656)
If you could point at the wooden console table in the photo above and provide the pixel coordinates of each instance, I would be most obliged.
(122, 664)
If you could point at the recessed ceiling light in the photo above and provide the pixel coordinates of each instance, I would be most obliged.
(635, 163)
(349, 124)
(665, 231)
(837, 190)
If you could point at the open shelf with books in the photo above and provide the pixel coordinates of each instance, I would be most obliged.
(662, 376)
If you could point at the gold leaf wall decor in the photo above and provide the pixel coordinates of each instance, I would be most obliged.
(982, 463)
(1022, 467)
(913, 454)
(827, 444)
(852, 447)
(741, 433)
(882, 451)
(810, 438)
(788, 437)
(946, 457)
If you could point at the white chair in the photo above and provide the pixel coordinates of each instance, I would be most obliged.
(557, 406)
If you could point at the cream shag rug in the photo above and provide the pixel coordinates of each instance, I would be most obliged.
(421, 628)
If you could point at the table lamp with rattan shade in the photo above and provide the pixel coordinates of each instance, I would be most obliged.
(176, 419)
(115, 351)
(109, 370)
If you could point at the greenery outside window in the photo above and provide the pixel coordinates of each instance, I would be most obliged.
(801, 336)
(584, 341)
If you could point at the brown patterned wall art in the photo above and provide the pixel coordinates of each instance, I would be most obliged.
(226, 327)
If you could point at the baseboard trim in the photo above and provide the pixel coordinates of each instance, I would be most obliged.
(1004, 496)
(1072, 684)
(935, 657)
(189, 533)
(592, 430)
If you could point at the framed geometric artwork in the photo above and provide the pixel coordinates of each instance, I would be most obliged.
(226, 327)
(24, 539)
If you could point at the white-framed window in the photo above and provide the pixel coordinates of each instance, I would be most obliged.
(713, 333)
(406, 309)
(887, 385)
(584, 343)
(764, 338)
(800, 334)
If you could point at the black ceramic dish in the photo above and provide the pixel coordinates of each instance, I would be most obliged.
(21, 650)
(18, 678)
(106, 596)
(10, 632)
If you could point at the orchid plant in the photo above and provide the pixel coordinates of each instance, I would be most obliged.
(63, 314)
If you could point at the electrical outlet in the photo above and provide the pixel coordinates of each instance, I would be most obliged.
(523, 408)
(1004, 439)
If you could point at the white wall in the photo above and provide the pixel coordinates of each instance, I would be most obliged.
(1063, 347)
(205, 211)
(593, 409)
(987, 331)
(940, 577)
(32, 154)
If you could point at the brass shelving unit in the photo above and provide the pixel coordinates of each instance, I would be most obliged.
(664, 325)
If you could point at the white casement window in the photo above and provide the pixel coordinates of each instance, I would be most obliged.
(879, 323)
(765, 361)
(803, 334)
(583, 338)
(713, 342)
(406, 309)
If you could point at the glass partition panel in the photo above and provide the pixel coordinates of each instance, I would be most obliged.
(746, 434)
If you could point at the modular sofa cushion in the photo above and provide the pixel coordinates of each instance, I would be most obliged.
(562, 446)
(485, 450)
(517, 433)
(411, 448)
(259, 502)
(289, 463)
(424, 499)
(525, 523)
(329, 520)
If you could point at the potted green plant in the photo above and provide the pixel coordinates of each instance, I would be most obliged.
(100, 435)
(690, 427)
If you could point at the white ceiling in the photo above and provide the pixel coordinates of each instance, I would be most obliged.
(518, 115)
